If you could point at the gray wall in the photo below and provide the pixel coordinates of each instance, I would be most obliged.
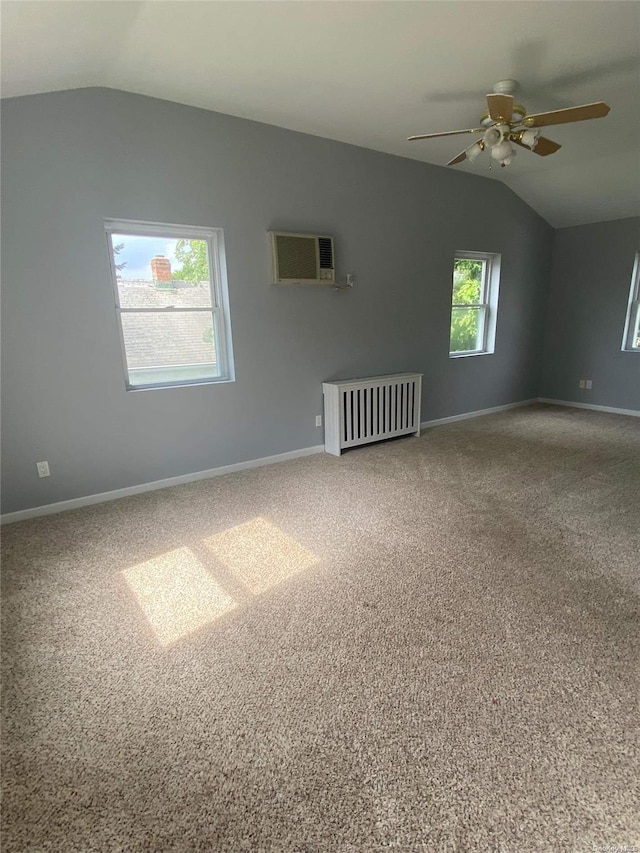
(72, 159)
(590, 281)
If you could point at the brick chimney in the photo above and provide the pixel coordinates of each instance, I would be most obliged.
(161, 269)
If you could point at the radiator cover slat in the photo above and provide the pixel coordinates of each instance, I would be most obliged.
(359, 411)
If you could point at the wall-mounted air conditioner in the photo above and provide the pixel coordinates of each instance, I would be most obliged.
(301, 258)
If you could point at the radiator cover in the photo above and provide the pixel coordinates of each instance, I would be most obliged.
(359, 411)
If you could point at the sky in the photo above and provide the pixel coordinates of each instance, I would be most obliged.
(138, 251)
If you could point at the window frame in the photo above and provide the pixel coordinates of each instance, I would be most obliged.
(488, 306)
(218, 289)
(632, 319)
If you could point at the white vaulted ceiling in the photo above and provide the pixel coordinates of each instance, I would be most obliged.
(368, 73)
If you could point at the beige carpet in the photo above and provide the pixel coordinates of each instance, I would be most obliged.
(426, 645)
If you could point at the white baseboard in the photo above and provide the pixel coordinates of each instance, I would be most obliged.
(478, 413)
(77, 503)
(633, 413)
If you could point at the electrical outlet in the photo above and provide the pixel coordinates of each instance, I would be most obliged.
(318, 420)
(589, 385)
(582, 383)
(43, 469)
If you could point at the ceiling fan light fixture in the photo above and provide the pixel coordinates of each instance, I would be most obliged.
(530, 138)
(492, 136)
(475, 150)
(502, 150)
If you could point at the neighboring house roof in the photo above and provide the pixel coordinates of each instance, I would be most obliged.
(166, 338)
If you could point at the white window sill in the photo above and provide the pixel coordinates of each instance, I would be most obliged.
(186, 384)
(469, 354)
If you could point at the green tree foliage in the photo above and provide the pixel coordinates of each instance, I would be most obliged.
(192, 254)
(467, 290)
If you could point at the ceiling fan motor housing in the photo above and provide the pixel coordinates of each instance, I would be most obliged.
(506, 87)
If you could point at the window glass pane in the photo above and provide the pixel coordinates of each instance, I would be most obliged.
(169, 340)
(467, 329)
(180, 374)
(156, 272)
(146, 295)
(635, 334)
(468, 276)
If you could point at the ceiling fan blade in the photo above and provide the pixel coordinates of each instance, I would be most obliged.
(586, 111)
(500, 107)
(446, 133)
(543, 148)
(461, 156)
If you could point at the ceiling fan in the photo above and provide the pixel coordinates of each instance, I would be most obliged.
(506, 124)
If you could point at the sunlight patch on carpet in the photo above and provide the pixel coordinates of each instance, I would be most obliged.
(259, 554)
(177, 594)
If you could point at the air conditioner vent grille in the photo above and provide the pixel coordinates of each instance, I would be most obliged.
(325, 246)
(297, 257)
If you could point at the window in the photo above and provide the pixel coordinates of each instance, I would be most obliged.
(171, 303)
(474, 303)
(631, 340)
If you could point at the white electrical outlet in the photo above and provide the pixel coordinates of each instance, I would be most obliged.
(318, 420)
(589, 385)
(43, 469)
(582, 383)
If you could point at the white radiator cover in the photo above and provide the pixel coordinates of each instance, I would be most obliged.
(359, 411)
